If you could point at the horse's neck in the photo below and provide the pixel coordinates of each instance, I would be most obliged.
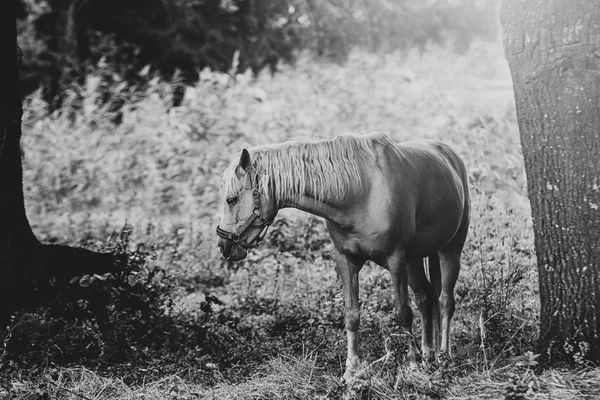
(315, 207)
(332, 209)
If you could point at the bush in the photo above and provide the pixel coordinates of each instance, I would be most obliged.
(124, 323)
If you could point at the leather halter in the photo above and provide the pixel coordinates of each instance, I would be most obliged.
(263, 223)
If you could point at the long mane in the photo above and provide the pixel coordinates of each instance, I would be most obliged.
(329, 167)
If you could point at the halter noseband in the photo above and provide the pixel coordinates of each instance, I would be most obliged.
(256, 214)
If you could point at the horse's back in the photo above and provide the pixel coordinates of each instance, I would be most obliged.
(432, 156)
(434, 149)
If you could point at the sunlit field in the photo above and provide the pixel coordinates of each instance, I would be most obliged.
(145, 179)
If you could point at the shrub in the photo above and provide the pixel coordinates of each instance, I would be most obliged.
(124, 323)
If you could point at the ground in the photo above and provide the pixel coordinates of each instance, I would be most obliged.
(272, 326)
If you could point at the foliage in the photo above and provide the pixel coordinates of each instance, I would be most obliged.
(63, 41)
(338, 26)
(101, 320)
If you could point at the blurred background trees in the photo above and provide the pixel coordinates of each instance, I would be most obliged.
(63, 40)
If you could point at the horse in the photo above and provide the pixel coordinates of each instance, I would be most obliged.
(404, 206)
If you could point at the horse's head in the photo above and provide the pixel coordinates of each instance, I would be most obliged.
(247, 213)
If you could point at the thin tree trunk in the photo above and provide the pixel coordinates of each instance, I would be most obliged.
(26, 265)
(553, 50)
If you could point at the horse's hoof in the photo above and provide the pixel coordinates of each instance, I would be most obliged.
(412, 358)
(428, 365)
(413, 365)
(347, 377)
(443, 360)
(352, 365)
(428, 358)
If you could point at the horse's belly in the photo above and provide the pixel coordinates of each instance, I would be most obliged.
(373, 246)
(430, 238)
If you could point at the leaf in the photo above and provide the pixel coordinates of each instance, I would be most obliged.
(85, 281)
(132, 280)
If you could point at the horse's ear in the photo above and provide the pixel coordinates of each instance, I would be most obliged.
(245, 160)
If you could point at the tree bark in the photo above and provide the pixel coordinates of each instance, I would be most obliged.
(26, 266)
(553, 51)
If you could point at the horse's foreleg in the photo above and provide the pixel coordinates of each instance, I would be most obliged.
(348, 270)
(398, 270)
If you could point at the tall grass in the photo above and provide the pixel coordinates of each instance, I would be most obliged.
(91, 167)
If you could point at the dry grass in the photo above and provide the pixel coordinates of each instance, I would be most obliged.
(301, 378)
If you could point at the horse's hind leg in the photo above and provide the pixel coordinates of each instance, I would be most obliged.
(348, 269)
(433, 266)
(398, 270)
(449, 270)
(450, 267)
(426, 300)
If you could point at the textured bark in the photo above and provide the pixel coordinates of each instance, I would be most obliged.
(553, 50)
(26, 266)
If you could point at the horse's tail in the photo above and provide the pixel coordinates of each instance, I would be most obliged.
(435, 278)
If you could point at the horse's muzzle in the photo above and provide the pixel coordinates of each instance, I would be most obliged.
(231, 251)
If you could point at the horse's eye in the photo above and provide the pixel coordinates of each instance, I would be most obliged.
(231, 200)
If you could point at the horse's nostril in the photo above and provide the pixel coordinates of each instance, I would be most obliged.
(225, 248)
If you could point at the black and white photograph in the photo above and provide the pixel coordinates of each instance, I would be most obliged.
(299, 199)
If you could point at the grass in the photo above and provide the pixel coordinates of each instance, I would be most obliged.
(300, 378)
(275, 330)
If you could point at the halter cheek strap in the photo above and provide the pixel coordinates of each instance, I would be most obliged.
(256, 215)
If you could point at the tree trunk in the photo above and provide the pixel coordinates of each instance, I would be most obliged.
(553, 50)
(26, 266)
